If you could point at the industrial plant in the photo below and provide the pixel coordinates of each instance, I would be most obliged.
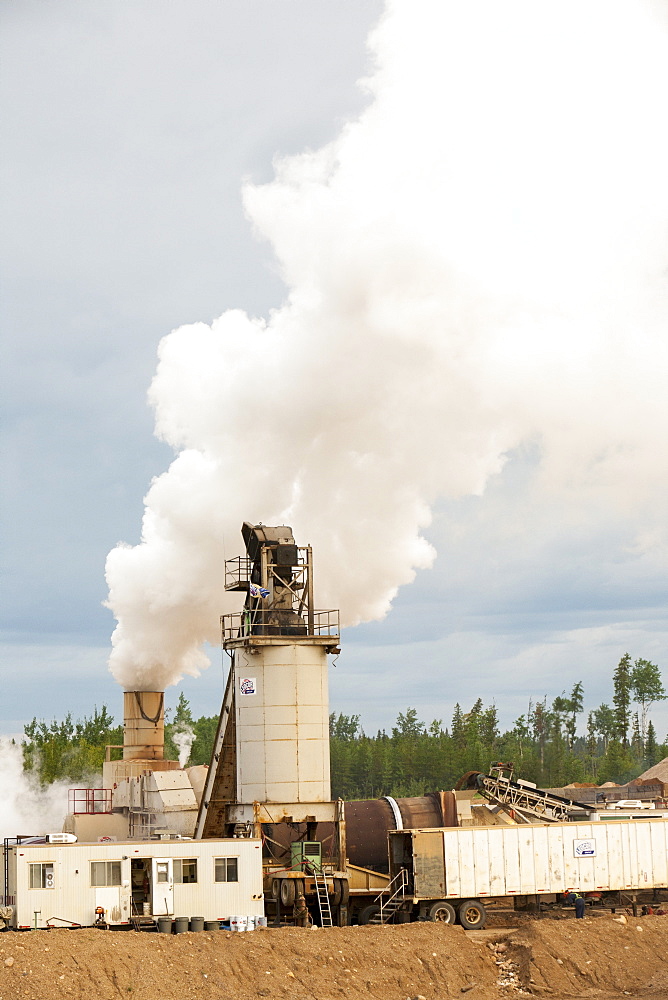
(255, 838)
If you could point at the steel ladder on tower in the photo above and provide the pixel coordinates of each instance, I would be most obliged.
(323, 898)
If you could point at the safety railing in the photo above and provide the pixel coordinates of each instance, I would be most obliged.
(273, 622)
(237, 572)
(397, 890)
(89, 801)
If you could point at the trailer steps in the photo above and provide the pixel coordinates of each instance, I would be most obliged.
(385, 914)
(388, 907)
(143, 923)
(323, 899)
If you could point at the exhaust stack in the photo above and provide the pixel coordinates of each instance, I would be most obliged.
(143, 725)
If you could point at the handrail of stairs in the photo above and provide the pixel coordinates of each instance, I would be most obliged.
(397, 887)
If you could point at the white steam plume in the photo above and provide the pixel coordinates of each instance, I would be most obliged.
(183, 738)
(28, 808)
(477, 262)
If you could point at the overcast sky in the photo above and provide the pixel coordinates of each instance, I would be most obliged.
(524, 411)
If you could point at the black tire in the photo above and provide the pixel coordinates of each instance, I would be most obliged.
(276, 888)
(366, 913)
(442, 912)
(472, 915)
(288, 893)
(341, 891)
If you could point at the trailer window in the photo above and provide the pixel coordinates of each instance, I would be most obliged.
(185, 870)
(105, 873)
(226, 870)
(41, 875)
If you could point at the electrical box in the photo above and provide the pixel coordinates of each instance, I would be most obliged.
(304, 853)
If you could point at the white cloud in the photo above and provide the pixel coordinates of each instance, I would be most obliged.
(475, 265)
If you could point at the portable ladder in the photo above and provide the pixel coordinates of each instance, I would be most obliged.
(323, 898)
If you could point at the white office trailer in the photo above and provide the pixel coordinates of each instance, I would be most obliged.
(461, 867)
(56, 885)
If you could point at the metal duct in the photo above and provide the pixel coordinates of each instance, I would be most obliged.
(368, 820)
(367, 824)
(143, 725)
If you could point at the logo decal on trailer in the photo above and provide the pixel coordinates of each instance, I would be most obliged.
(247, 685)
(584, 848)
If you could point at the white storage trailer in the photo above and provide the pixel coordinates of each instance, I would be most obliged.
(65, 884)
(452, 872)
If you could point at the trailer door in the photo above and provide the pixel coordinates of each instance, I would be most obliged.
(162, 886)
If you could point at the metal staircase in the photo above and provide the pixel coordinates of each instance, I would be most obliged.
(388, 907)
(323, 898)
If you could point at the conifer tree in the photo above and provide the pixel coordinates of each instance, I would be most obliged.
(651, 747)
(621, 699)
(592, 744)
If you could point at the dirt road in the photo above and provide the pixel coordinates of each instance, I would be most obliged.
(596, 957)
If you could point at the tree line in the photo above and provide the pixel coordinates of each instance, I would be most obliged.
(74, 751)
(548, 743)
(544, 743)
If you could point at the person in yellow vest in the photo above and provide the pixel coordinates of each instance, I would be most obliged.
(572, 896)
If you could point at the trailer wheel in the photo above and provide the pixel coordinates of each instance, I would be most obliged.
(341, 892)
(442, 912)
(366, 913)
(287, 892)
(276, 888)
(472, 915)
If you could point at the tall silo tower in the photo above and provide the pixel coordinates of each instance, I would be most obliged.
(271, 757)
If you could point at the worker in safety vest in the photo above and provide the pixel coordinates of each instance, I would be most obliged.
(572, 896)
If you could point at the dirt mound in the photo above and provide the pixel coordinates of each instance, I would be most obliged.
(627, 956)
(592, 957)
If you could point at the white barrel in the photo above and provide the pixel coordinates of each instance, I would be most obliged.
(260, 921)
(250, 923)
(238, 923)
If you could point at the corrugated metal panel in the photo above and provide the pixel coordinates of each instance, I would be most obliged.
(659, 851)
(467, 866)
(541, 859)
(497, 867)
(556, 858)
(613, 844)
(428, 864)
(282, 725)
(528, 860)
(451, 860)
(644, 855)
(512, 861)
(525, 845)
(601, 860)
(481, 861)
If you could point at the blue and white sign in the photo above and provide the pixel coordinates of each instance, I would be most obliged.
(584, 848)
(247, 685)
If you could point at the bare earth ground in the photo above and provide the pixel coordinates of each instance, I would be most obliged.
(594, 958)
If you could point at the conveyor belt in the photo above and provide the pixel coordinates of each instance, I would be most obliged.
(526, 802)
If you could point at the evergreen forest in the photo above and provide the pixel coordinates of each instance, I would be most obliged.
(553, 743)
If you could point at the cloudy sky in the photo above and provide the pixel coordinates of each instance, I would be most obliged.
(422, 319)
